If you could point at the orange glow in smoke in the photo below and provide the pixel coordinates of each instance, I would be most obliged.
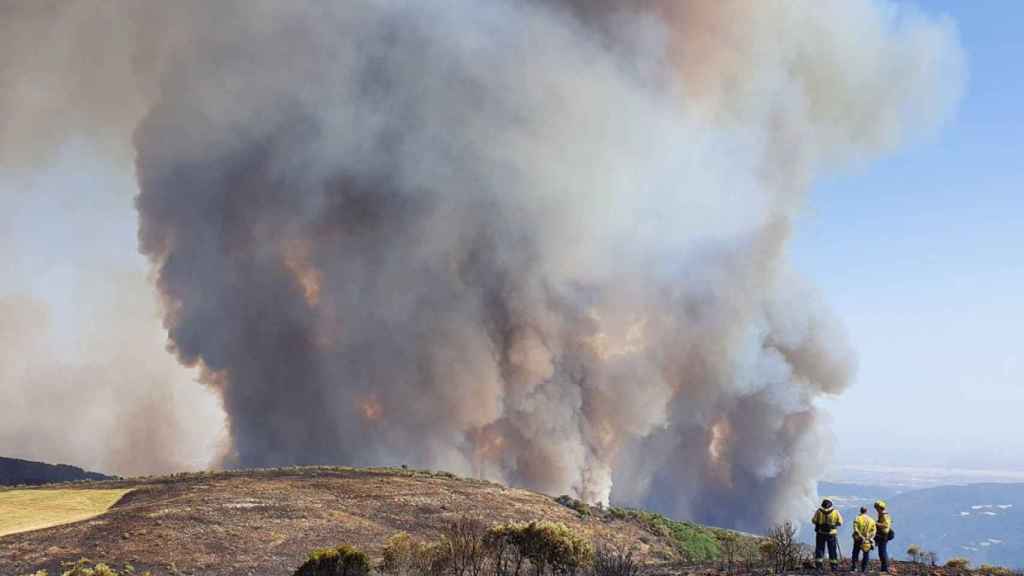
(718, 448)
(371, 409)
(630, 339)
(297, 258)
(488, 446)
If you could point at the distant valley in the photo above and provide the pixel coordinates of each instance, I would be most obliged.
(981, 522)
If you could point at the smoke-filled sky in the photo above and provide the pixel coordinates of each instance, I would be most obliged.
(539, 242)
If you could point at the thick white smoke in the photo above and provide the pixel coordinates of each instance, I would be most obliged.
(540, 242)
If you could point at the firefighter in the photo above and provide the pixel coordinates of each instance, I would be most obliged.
(883, 533)
(827, 521)
(863, 539)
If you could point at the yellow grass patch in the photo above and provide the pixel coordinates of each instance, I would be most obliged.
(24, 510)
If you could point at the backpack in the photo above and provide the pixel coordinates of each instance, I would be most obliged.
(826, 526)
(888, 536)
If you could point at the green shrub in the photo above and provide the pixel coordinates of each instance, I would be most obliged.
(341, 561)
(85, 567)
(507, 550)
(547, 547)
(581, 508)
(400, 553)
(404, 556)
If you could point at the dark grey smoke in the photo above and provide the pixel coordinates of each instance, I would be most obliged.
(541, 242)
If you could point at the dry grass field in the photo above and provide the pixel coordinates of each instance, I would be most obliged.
(24, 510)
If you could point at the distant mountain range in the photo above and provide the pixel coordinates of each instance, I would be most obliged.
(981, 522)
(14, 471)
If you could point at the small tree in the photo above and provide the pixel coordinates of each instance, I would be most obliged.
(915, 553)
(751, 554)
(931, 558)
(730, 549)
(767, 551)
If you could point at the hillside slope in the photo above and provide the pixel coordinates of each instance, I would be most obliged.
(14, 471)
(266, 522)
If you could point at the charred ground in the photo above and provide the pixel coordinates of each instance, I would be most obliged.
(267, 521)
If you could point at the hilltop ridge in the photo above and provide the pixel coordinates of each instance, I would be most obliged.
(15, 471)
(266, 521)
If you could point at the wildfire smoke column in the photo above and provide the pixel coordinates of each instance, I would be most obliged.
(515, 239)
(540, 242)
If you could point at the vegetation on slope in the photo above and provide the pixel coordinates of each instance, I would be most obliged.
(694, 542)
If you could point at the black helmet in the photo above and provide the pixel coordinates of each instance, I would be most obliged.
(826, 503)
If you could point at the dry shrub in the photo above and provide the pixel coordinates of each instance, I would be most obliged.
(781, 550)
(730, 546)
(989, 570)
(958, 563)
(402, 556)
(615, 561)
(465, 549)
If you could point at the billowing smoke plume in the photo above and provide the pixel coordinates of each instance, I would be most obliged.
(540, 242)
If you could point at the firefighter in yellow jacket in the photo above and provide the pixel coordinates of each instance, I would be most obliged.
(863, 539)
(827, 521)
(883, 534)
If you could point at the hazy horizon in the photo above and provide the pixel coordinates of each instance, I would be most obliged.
(920, 254)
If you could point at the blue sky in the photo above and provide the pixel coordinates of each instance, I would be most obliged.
(920, 253)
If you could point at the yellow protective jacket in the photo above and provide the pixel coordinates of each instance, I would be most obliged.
(827, 521)
(883, 524)
(863, 528)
